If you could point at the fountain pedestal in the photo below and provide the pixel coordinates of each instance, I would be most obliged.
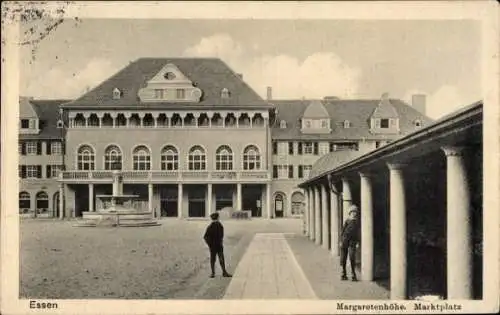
(117, 210)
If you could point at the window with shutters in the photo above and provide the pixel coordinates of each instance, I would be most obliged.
(54, 170)
(275, 171)
(323, 148)
(56, 147)
(282, 171)
(306, 169)
(31, 148)
(290, 171)
(290, 148)
(32, 171)
(307, 148)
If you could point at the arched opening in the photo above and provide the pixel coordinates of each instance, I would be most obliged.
(112, 158)
(244, 120)
(142, 158)
(176, 120)
(197, 158)
(42, 203)
(189, 120)
(169, 158)
(258, 120)
(107, 120)
(148, 121)
(279, 205)
(94, 120)
(79, 120)
(230, 120)
(86, 158)
(297, 203)
(24, 202)
(224, 158)
(251, 158)
(217, 120)
(162, 121)
(121, 121)
(134, 120)
(203, 120)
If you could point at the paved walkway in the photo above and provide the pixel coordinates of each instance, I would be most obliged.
(269, 270)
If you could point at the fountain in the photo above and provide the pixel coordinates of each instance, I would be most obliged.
(115, 211)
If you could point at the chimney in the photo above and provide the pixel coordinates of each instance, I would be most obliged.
(418, 102)
(269, 93)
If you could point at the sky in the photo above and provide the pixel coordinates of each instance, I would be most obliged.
(303, 58)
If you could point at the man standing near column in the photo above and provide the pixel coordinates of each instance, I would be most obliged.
(349, 239)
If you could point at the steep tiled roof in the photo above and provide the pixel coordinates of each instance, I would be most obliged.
(211, 75)
(357, 111)
(332, 160)
(316, 109)
(48, 113)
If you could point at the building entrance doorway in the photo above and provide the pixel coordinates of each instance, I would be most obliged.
(196, 195)
(252, 199)
(279, 205)
(168, 201)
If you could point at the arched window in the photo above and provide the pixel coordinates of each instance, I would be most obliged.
(197, 158)
(24, 200)
(169, 158)
(107, 120)
(347, 124)
(113, 158)
(86, 158)
(93, 120)
(42, 202)
(79, 120)
(142, 158)
(251, 158)
(224, 158)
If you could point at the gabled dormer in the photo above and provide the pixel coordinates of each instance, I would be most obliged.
(316, 119)
(385, 118)
(29, 122)
(170, 85)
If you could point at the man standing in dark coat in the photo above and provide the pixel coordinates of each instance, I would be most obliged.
(348, 242)
(214, 236)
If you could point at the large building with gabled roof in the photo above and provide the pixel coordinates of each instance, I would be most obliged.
(191, 137)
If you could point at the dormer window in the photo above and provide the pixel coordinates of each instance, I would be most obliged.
(224, 93)
(308, 124)
(25, 123)
(117, 94)
(417, 123)
(282, 124)
(384, 123)
(347, 124)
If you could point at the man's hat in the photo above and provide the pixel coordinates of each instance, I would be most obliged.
(214, 216)
(353, 208)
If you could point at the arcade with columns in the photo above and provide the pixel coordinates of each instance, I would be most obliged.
(421, 213)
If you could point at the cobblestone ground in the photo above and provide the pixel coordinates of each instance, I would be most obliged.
(169, 261)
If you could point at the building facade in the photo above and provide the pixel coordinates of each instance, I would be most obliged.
(191, 137)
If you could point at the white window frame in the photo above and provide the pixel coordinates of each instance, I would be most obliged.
(31, 171)
(112, 155)
(306, 170)
(31, 147)
(224, 158)
(169, 158)
(282, 171)
(54, 170)
(141, 159)
(85, 158)
(56, 147)
(197, 158)
(307, 148)
(251, 158)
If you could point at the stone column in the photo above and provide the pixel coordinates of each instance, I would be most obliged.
(62, 196)
(366, 228)
(325, 218)
(238, 197)
(397, 223)
(179, 201)
(91, 197)
(334, 224)
(312, 215)
(346, 198)
(458, 226)
(209, 199)
(150, 197)
(268, 200)
(317, 219)
(306, 213)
